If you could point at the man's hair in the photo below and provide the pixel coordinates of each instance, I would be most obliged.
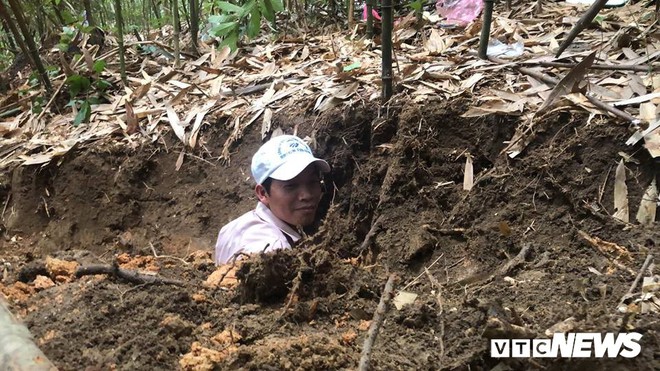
(266, 184)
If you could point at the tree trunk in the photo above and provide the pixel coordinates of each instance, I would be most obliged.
(120, 41)
(8, 33)
(194, 22)
(32, 46)
(177, 31)
(154, 7)
(186, 15)
(17, 350)
(58, 13)
(88, 13)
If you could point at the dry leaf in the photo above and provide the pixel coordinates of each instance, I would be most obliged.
(266, 123)
(648, 205)
(570, 81)
(179, 161)
(198, 123)
(621, 193)
(468, 175)
(647, 112)
(140, 92)
(175, 123)
(437, 44)
(132, 124)
(652, 143)
(347, 91)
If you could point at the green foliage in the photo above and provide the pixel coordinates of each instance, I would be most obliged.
(66, 37)
(84, 92)
(6, 59)
(237, 21)
(417, 5)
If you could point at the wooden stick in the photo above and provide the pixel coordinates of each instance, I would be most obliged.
(127, 275)
(376, 322)
(552, 82)
(581, 24)
(645, 266)
(17, 349)
(515, 261)
(607, 67)
(370, 235)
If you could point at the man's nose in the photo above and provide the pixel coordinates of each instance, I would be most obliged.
(306, 192)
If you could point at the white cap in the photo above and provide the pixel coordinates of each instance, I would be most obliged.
(282, 158)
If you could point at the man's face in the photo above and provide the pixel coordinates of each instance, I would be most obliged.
(294, 201)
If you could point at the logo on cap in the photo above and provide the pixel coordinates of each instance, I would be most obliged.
(289, 146)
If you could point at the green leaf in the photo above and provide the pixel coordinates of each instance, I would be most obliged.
(78, 84)
(277, 5)
(267, 10)
(223, 29)
(416, 5)
(231, 41)
(102, 85)
(99, 66)
(352, 66)
(255, 23)
(83, 114)
(229, 7)
(248, 8)
(94, 100)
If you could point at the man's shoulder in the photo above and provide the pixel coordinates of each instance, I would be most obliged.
(248, 223)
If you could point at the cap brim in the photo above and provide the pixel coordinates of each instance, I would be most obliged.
(294, 166)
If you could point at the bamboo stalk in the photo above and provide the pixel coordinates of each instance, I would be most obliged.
(607, 67)
(17, 350)
(581, 25)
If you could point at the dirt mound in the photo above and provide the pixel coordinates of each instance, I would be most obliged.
(510, 255)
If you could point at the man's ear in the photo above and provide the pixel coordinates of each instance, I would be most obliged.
(261, 193)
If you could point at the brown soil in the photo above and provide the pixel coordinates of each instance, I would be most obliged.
(110, 200)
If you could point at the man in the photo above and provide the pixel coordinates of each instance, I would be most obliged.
(288, 178)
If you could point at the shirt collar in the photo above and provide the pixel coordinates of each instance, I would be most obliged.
(266, 215)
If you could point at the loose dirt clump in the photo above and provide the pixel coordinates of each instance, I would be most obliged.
(508, 258)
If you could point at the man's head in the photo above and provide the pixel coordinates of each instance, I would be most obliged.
(288, 179)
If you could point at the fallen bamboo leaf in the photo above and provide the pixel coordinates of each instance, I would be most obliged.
(647, 112)
(346, 92)
(652, 143)
(132, 123)
(637, 100)
(175, 123)
(570, 82)
(198, 123)
(140, 92)
(495, 106)
(648, 205)
(89, 61)
(179, 160)
(266, 123)
(437, 44)
(621, 211)
(469, 83)
(468, 174)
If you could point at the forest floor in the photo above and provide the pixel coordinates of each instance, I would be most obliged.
(530, 250)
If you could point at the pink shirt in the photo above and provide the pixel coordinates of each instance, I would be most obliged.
(250, 234)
